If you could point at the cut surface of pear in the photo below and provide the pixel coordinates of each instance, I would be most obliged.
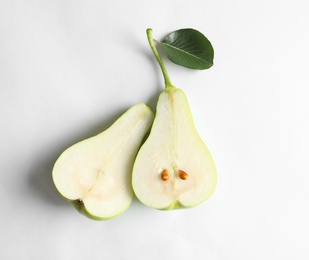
(173, 168)
(95, 174)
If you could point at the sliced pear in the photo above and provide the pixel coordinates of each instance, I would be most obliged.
(173, 168)
(95, 174)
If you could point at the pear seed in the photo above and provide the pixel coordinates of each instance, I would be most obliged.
(164, 175)
(183, 175)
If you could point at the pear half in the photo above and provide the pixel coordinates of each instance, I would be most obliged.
(173, 168)
(95, 174)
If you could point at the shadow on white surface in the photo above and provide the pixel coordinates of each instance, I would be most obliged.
(40, 177)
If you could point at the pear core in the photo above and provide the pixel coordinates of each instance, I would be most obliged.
(173, 168)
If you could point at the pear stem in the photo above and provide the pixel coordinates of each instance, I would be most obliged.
(167, 81)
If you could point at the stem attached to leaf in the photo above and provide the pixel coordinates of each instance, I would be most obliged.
(167, 81)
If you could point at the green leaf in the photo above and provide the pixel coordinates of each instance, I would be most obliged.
(189, 48)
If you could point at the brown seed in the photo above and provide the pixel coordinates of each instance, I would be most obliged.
(183, 175)
(164, 175)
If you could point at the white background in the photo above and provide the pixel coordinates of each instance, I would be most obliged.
(68, 69)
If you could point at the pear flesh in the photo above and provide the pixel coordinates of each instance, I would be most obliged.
(173, 168)
(95, 174)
